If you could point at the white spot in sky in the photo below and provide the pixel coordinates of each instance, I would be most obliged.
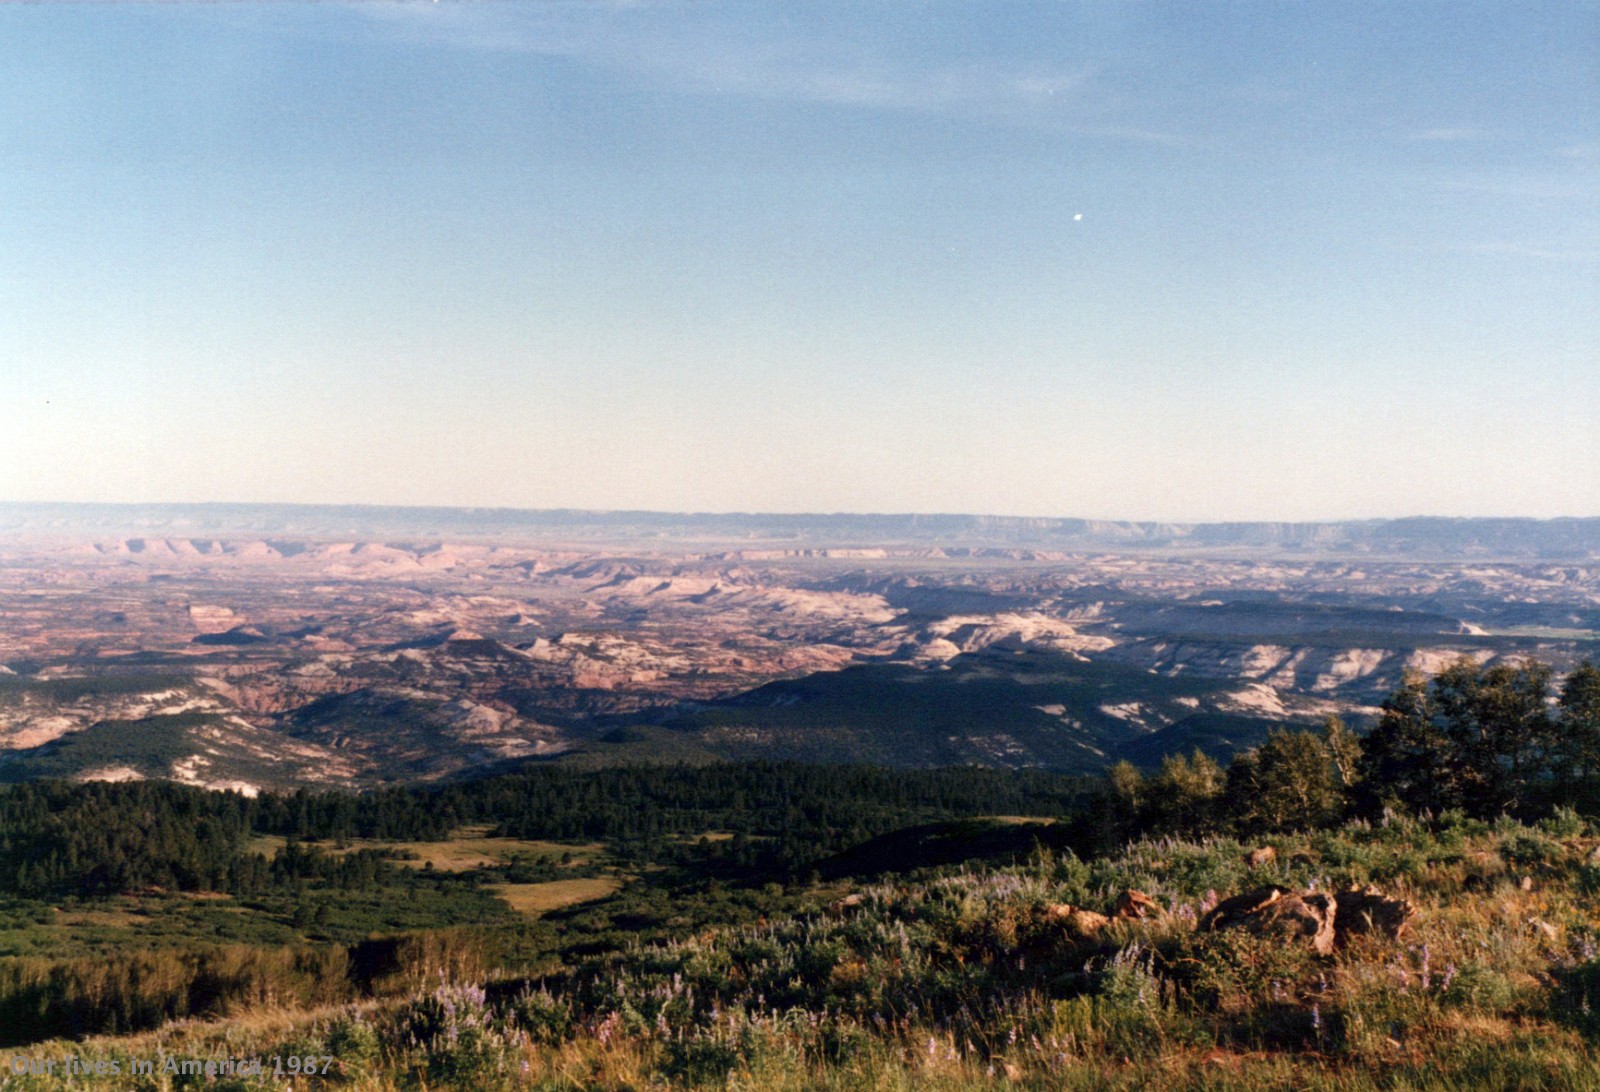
(1077, 216)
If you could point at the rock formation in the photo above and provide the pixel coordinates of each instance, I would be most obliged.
(1276, 912)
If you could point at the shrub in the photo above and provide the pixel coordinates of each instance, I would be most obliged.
(1526, 849)
(1577, 998)
(354, 1044)
(1128, 1002)
(542, 1016)
(1564, 823)
(454, 1031)
(1475, 986)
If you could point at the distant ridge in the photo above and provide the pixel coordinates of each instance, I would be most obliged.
(1576, 539)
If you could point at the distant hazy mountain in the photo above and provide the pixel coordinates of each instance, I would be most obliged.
(1555, 539)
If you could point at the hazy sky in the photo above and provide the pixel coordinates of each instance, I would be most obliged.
(1131, 260)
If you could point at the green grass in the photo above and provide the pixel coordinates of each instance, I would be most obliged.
(172, 920)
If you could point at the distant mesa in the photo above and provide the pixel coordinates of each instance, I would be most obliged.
(212, 619)
(284, 530)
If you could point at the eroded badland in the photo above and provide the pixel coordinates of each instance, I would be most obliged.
(268, 656)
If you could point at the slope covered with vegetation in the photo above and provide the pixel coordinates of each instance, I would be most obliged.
(914, 945)
(966, 977)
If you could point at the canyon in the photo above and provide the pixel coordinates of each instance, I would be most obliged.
(254, 647)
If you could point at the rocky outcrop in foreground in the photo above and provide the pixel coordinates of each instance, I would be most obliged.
(1322, 921)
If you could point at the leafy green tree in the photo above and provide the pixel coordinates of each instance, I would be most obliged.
(1186, 796)
(1480, 739)
(1124, 806)
(1290, 782)
(1578, 724)
(1499, 724)
(1407, 760)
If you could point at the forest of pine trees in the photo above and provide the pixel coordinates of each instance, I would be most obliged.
(1485, 741)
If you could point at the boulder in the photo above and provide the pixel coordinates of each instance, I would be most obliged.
(849, 903)
(1305, 917)
(1133, 905)
(1231, 911)
(1074, 921)
(1260, 858)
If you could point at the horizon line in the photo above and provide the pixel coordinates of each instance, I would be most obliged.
(773, 514)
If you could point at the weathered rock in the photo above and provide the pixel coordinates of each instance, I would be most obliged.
(1310, 916)
(1076, 922)
(1364, 910)
(1307, 917)
(1259, 858)
(1231, 911)
(845, 905)
(1133, 905)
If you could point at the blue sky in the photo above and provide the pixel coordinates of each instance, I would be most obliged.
(1127, 260)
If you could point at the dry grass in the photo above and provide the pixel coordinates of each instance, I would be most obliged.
(467, 848)
(105, 919)
(536, 898)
